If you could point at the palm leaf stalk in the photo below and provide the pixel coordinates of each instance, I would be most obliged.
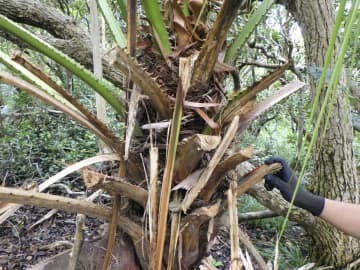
(98, 85)
(111, 21)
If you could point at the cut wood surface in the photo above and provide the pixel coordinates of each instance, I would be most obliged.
(255, 176)
(23, 197)
(205, 176)
(116, 186)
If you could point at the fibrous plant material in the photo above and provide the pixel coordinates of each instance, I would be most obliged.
(221, 170)
(72, 168)
(252, 178)
(243, 102)
(79, 238)
(70, 205)
(114, 185)
(208, 56)
(158, 98)
(184, 73)
(17, 57)
(235, 259)
(192, 149)
(153, 204)
(205, 176)
(260, 107)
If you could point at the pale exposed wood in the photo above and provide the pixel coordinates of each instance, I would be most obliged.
(244, 101)
(257, 175)
(72, 168)
(190, 153)
(205, 176)
(79, 238)
(170, 162)
(256, 215)
(260, 107)
(221, 170)
(70, 205)
(153, 204)
(235, 259)
(54, 202)
(116, 186)
(131, 118)
(95, 36)
(52, 212)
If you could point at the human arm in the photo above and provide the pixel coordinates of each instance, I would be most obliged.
(344, 216)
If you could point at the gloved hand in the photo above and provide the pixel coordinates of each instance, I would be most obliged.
(285, 181)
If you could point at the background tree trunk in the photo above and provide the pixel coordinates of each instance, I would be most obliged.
(335, 170)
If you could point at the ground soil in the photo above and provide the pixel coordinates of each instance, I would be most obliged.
(21, 247)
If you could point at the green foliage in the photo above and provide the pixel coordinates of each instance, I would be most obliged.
(97, 85)
(248, 28)
(217, 263)
(292, 254)
(112, 23)
(153, 14)
(36, 142)
(123, 9)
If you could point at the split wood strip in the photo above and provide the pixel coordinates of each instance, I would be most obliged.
(245, 240)
(32, 198)
(53, 202)
(185, 71)
(153, 204)
(79, 238)
(52, 212)
(255, 176)
(116, 186)
(223, 168)
(72, 168)
(205, 176)
(235, 259)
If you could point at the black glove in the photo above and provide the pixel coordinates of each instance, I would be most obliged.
(285, 181)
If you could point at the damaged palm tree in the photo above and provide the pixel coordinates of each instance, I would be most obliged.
(185, 125)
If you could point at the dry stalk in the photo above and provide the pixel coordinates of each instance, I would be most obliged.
(17, 57)
(205, 176)
(185, 71)
(153, 204)
(69, 205)
(244, 239)
(255, 176)
(221, 170)
(236, 262)
(79, 238)
(115, 185)
(174, 238)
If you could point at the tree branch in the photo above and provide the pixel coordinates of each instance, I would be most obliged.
(274, 201)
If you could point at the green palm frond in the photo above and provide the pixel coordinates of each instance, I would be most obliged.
(248, 28)
(98, 85)
(153, 14)
(112, 23)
